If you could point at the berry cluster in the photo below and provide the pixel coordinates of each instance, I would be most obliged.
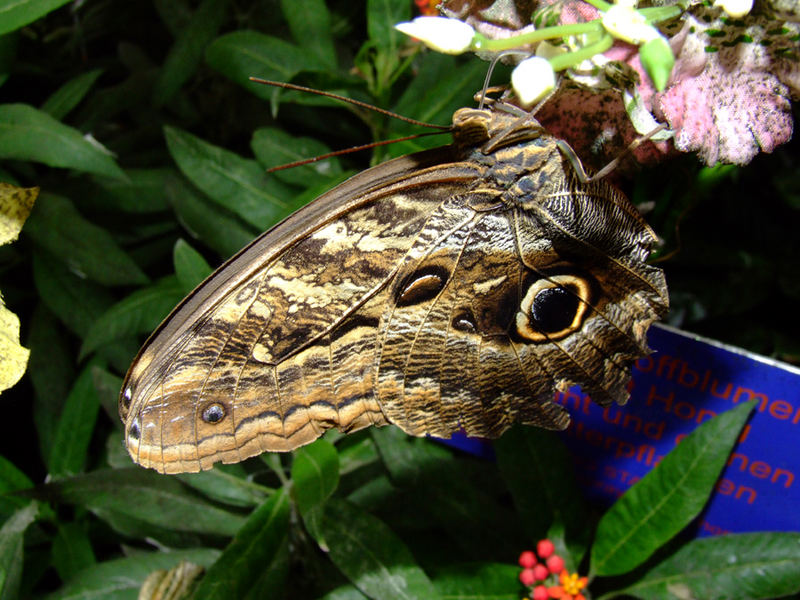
(543, 568)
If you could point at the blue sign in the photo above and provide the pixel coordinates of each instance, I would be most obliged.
(684, 382)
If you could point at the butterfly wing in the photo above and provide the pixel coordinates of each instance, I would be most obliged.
(452, 289)
(465, 346)
(274, 348)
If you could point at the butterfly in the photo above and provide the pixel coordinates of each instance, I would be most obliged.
(451, 289)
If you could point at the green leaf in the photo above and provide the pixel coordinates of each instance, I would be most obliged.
(8, 55)
(442, 487)
(274, 147)
(539, 475)
(141, 312)
(190, 266)
(382, 16)
(315, 474)
(51, 369)
(657, 59)
(11, 480)
(143, 192)
(67, 97)
(77, 303)
(11, 549)
(244, 54)
(233, 182)
(372, 556)
(310, 24)
(186, 54)
(159, 499)
(228, 484)
(16, 13)
(735, 567)
(356, 456)
(75, 428)
(441, 87)
(72, 550)
(89, 251)
(121, 578)
(255, 563)
(107, 385)
(668, 498)
(27, 133)
(174, 14)
(214, 226)
(347, 592)
(479, 581)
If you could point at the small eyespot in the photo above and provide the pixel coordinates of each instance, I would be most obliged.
(422, 285)
(464, 321)
(127, 395)
(134, 430)
(213, 413)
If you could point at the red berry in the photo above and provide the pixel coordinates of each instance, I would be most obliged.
(545, 548)
(556, 564)
(527, 559)
(526, 577)
(540, 572)
(540, 593)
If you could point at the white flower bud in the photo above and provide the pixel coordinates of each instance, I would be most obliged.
(449, 36)
(625, 23)
(532, 79)
(735, 8)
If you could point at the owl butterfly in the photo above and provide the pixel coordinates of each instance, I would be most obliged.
(452, 289)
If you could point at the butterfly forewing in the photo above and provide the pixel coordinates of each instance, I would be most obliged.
(452, 289)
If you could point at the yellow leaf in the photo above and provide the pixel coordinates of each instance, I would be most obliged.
(15, 206)
(13, 357)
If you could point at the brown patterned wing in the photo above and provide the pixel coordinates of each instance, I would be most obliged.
(278, 345)
(452, 289)
(543, 291)
(447, 359)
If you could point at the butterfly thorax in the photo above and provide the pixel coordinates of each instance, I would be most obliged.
(521, 163)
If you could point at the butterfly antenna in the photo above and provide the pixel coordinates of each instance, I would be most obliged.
(489, 72)
(306, 161)
(388, 113)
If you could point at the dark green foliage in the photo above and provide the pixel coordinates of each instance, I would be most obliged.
(150, 144)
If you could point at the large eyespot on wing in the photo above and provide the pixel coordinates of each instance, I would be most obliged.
(251, 362)
(447, 361)
(591, 233)
(553, 307)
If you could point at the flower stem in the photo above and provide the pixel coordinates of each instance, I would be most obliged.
(564, 61)
(480, 42)
(599, 5)
(656, 14)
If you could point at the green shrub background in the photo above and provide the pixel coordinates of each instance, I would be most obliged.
(124, 228)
